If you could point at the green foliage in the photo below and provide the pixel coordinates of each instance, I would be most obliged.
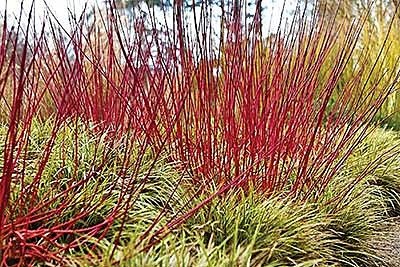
(251, 230)
(133, 3)
(377, 29)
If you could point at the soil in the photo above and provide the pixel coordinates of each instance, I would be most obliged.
(387, 243)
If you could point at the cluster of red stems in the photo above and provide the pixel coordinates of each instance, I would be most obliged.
(242, 111)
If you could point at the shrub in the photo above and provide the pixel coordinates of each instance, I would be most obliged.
(238, 114)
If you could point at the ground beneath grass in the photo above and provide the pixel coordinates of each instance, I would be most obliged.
(388, 243)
